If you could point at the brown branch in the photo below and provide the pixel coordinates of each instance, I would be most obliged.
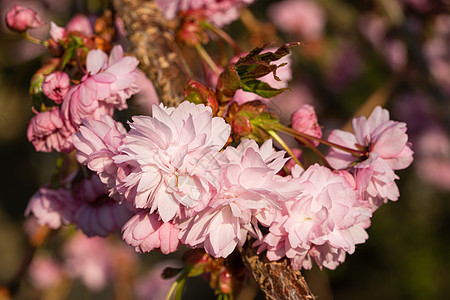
(153, 44)
(276, 279)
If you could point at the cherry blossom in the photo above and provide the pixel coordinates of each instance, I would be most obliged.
(175, 155)
(96, 214)
(56, 86)
(247, 195)
(106, 86)
(323, 222)
(52, 207)
(386, 143)
(97, 142)
(49, 130)
(146, 232)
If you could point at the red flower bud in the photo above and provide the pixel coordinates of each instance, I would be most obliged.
(21, 18)
(197, 93)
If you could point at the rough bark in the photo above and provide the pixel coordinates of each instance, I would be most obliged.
(153, 44)
(276, 279)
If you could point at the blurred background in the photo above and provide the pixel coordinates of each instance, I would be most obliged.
(357, 54)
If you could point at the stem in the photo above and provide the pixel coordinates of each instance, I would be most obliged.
(224, 36)
(33, 40)
(277, 138)
(205, 56)
(313, 148)
(302, 136)
(55, 175)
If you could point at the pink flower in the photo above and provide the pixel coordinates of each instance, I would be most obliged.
(21, 18)
(323, 221)
(45, 272)
(305, 120)
(57, 33)
(80, 23)
(247, 196)
(56, 86)
(147, 95)
(174, 154)
(218, 12)
(107, 85)
(52, 207)
(48, 130)
(96, 214)
(304, 18)
(88, 259)
(146, 232)
(151, 286)
(388, 149)
(97, 142)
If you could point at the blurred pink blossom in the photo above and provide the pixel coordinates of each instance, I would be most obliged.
(52, 207)
(433, 162)
(218, 12)
(80, 23)
(346, 67)
(147, 95)
(88, 259)
(49, 130)
(57, 33)
(95, 213)
(151, 286)
(45, 272)
(56, 86)
(20, 18)
(304, 18)
(146, 232)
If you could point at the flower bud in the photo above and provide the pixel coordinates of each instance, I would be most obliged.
(225, 282)
(56, 86)
(243, 119)
(190, 31)
(21, 18)
(305, 120)
(198, 93)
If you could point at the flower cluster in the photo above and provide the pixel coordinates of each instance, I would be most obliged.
(385, 143)
(184, 189)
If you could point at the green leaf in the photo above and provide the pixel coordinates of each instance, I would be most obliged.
(227, 84)
(261, 88)
(255, 65)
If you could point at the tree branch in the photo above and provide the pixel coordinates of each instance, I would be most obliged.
(153, 44)
(276, 279)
